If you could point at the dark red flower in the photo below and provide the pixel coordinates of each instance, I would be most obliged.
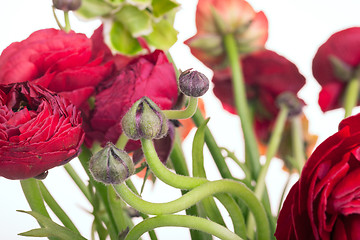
(266, 76)
(324, 203)
(39, 130)
(149, 75)
(336, 62)
(62, 62)
(215, 18)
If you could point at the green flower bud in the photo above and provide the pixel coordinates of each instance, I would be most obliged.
(111, 165)
(144, 120)
(293, 103)
(67, 5)
(193, 83)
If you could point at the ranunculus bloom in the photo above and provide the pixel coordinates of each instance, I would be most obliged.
(39, 130)
(336, 62)
(62, 62)
(149, 75)
(324, 203)
(266, 76)
(236, 17)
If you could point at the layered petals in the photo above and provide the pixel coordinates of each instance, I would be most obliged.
(323, 204)
(39, 130)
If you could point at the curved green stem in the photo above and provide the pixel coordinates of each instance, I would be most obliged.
(188, 112)
(75, 177)
(163, 173)
(241, 105)
(181, 221)
(56, 19)
(57, 210)
(196, 195)
(297, 142)
(67, 27)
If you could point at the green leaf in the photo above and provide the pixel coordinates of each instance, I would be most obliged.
(141, 4)
(163, 35)
(50, 229)
(136, 21)
(122, 40)
(94, 8)
(160, 7)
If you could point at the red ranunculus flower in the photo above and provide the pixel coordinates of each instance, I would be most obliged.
(266, 76)
(149, 75)
(324, 203)
(62, 62)
(336, 62)
(39, 130)
(215, 18)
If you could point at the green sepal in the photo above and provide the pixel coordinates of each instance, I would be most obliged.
(163, 35)
(49, 229)
(136, 21)
(122, 40)
(160, 7)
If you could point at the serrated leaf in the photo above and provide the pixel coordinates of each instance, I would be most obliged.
(136, 21)
(122, 40)
(50, 229)
(94, 8)
(160, 7)
(163, 35)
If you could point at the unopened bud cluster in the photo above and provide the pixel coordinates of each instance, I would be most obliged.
(193, 83)
(67, 5)
(111, 165)
(144, 120)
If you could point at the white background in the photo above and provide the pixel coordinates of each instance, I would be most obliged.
(296, 29)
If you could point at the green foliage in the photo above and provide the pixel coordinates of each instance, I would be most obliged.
(49, 229)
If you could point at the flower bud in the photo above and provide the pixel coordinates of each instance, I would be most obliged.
(144, 120)
(111, 165)
(193, 83)
(67, 5)
(293, 103)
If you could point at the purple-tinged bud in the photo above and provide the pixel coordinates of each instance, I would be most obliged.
(67, 5)
(111, 165)
(193, 83)
(144, 120)
(292, 102)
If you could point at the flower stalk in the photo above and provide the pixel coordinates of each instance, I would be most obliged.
(351, 96)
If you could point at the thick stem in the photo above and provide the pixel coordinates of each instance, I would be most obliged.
(188, 112)
(351, 96)
(241, 105)
(196, 195)
(298, 142)
(67, 27)
(122, 141)
(181, 221)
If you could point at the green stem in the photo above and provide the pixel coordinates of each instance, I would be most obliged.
(181, 221)
(122, 141)
(67, 22)
(75, 177)
(241, 105)
(57, 210)
(272, 149)
(184, 182)
(178, 160)
(213, 147)
(188, 112)
(283, 193)
(33, 195)
(351, 96)
(196, 195)
(270, 153)
(298, 142)
(56, 19)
